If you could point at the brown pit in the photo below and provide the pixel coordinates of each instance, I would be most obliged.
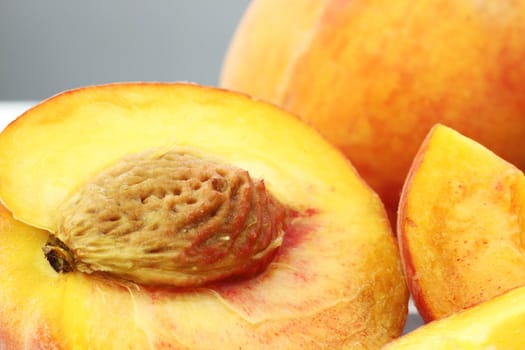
(176, 218)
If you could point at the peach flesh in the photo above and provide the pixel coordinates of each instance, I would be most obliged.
(246, 297)
(460, 225)
(493, 324)
(325, 288)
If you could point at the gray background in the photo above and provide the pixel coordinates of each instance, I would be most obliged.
(47, 46)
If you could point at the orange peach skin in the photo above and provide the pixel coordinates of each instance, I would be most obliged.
(337, 280)
(461, 225)
(373, 76)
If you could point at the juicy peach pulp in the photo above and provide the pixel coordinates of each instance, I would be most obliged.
(336, 281)
(461, 224)
(373, 76)
(496, 324)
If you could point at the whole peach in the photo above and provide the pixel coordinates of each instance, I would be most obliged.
(373, 76)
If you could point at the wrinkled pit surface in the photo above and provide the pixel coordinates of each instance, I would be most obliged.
(173, 218)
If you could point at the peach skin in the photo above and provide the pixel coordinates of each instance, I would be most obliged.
(373, 76)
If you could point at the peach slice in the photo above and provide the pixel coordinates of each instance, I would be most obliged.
(461, 224)
(373, 76)
(332, 279)
(496, 324)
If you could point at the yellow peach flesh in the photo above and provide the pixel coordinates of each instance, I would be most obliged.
(496, 324)
(461, 224)
(335, 283)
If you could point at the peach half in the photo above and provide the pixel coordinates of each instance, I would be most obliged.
(496, 324)
(461, 224)
(175, 216)
(373, 76)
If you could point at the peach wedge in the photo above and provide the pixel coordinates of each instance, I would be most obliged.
(461, 224)
(175, 216)
(496, 324)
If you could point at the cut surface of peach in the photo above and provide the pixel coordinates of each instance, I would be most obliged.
(496, 324)
(335, 280)
(461, 224)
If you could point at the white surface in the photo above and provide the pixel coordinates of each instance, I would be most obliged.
(9, 111)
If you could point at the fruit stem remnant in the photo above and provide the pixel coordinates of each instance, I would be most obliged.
(58, 255)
